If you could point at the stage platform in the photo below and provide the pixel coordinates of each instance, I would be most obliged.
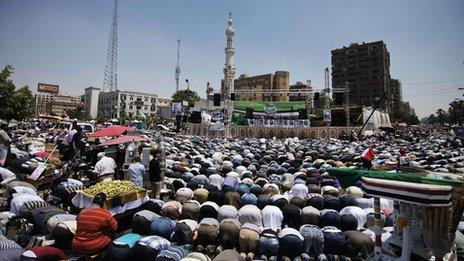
(234, 131)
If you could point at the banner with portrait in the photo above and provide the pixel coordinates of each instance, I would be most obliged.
(218, 126)
(176, 109)
(327, 115)
(217, 116)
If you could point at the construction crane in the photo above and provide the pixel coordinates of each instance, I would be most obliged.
(178, 66)
(110, 80)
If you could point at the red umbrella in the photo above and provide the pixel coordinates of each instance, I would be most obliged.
(122, 139)
(111, 131)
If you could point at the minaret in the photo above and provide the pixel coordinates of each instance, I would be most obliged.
(229, 69)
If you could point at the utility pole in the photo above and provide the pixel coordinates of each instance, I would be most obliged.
(177, 72)
(347, 104)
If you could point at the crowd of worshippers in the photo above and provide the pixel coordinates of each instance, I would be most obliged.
(268, 213)
(255, 208)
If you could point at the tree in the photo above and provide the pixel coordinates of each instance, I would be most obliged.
(409, 119)
(76, 113)
(186, 95)
(432, 119)
(123, 117)
(17, 104)
(442, 116)
(413, 120)
(101, 118)
(455, 111)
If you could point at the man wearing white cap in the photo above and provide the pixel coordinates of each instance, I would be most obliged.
(105, 167)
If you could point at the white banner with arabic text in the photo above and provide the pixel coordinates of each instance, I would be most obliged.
(280, 123)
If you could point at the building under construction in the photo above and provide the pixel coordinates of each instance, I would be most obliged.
(362, 70)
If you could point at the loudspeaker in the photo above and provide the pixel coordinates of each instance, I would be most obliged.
(217, 99)
(249, 112)
(195, 117)
(232, 96)
(338, 98)
(302, 114)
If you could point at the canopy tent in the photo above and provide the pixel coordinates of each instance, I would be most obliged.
(378, 120)
(123, 139)
(111, 131)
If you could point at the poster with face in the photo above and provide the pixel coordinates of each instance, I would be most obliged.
(176, 109)
(327, 115)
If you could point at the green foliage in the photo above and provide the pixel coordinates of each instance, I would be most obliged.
(455, 107)
(239, 120)
(76, 113)
(432, 119)
(442, 116)
(186, 95)
(409, 119)
(101, 118)
(17, 104)
(452, 116)
(123, 117)
(413, 120)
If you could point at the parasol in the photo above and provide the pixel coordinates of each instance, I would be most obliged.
(111, 131)
(123, 139)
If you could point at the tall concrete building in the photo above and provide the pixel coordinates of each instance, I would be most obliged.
(60, 104)
(406, 109)
(115, 104)
(396, 95)
(365, 70)
(41, 101)
(266, 87)
(55, 104)
(91, 101)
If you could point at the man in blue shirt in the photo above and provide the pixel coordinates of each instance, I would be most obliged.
(136, 172)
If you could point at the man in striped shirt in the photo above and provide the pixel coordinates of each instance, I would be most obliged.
(95, 228)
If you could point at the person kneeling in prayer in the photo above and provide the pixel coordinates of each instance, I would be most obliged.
(95, 228)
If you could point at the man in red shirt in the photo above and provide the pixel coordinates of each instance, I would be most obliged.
(95, 228)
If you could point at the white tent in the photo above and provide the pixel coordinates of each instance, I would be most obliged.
(377, 120)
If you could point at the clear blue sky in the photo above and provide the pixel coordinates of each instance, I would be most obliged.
(64, 41)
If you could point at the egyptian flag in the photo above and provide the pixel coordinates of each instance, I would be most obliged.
(368, 154)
